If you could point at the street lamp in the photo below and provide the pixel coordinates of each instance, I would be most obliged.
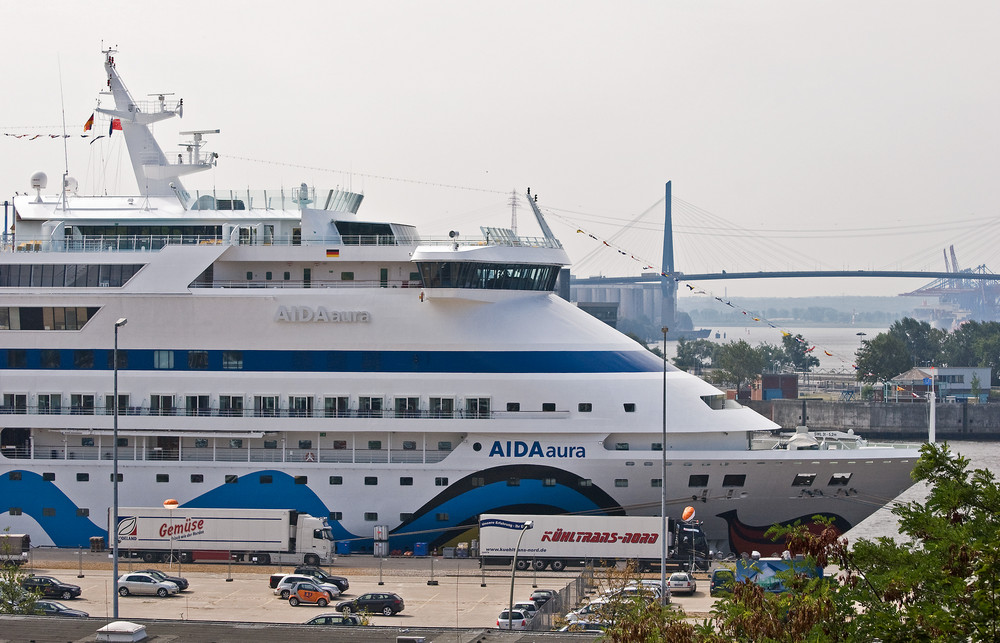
(525, 526)
(663, 481)
(170, 504)
(114, 477)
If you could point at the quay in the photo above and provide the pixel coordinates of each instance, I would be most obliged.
(885, 420)
(235, 603)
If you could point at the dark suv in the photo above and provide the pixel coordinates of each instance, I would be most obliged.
(48, 586)
(373, 602)
(318, 574)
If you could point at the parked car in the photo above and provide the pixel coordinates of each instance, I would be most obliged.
(49, 586)
(593, 611)
(342, 584)
(334, 619)
(722, 582)
(373, 602)
(542, 596)
(55, 608)
(682, 582)
(308, 592)
(528, 607)
(513, 620)
(145, 584)
(284, 586)
(180, 582)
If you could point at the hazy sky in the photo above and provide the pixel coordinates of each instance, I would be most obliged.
(851, 134)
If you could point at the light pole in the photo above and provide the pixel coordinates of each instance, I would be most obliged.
(663, 482)
(861, 344)
(525, 526)
(171, 504)
(114, 479)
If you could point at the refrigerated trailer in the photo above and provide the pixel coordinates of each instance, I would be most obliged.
(261, 536)
(558, 542)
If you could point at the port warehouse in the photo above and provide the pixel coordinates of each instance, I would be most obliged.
(886, 420)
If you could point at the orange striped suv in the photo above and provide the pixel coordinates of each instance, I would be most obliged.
(308, 593)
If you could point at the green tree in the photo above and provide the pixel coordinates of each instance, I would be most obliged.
(737, 363)
(695, 355)
(795, 349)
(940, 583)
(13, 598)
(922, 341)
(882, 358)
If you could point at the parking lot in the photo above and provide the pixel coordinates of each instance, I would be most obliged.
(437, 592)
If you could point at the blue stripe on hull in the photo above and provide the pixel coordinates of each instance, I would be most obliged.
(637, 361)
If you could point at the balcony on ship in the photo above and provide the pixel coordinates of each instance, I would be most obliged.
(367, 447)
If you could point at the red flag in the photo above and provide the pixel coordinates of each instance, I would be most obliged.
(116, 124)
(89, 124)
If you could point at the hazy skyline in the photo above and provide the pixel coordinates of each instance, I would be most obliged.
(855, 135)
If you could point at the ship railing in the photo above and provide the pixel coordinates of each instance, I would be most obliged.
(140, 243)
(313, 283)
(141, 453)
(214, 411)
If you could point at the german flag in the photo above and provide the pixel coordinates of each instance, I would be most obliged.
(332, 253)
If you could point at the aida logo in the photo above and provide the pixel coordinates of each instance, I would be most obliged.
(519, 449)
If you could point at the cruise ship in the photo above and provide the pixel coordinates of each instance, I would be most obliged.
(276, 349)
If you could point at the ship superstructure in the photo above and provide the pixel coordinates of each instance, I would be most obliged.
(283, 352)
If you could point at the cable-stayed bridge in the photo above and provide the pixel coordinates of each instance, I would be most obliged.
(973, 291)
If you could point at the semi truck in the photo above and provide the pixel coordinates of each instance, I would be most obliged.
(14, 549)
(261, 536)
(562, 541)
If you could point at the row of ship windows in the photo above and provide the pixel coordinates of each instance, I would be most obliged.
(730, 480)
(270, 405)
(370, 516)
(66, 275)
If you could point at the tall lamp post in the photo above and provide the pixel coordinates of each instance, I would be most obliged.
(114, 479)
(663, 481)
(170, 504)
(525, 526)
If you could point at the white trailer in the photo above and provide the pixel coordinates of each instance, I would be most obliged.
(558, 542)
(14, 549)
(261, 536)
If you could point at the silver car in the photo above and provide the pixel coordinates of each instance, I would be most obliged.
(147, 584)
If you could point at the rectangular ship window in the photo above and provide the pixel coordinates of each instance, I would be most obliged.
(409, 445)
(803, 479)
(232, 478)
(548, 407)
(406, 481)
(698, 480)
(371, 481)
(197, 360)
(232, 360)
(734, 480)
(163, 359)
(197, 477)
(441, 482)
(48, 476)
(301, 479)
(371, 516)
(336, 515)
(585, 407)
(656, 483)
(266, 479)
(336, 479)
(163, 477)
(630, 407)
(82, 512)
(839, 479)
(621, 482)
(83, 477)
(513, 407)
(621, 446)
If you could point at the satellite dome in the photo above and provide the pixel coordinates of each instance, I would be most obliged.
(39, 181)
